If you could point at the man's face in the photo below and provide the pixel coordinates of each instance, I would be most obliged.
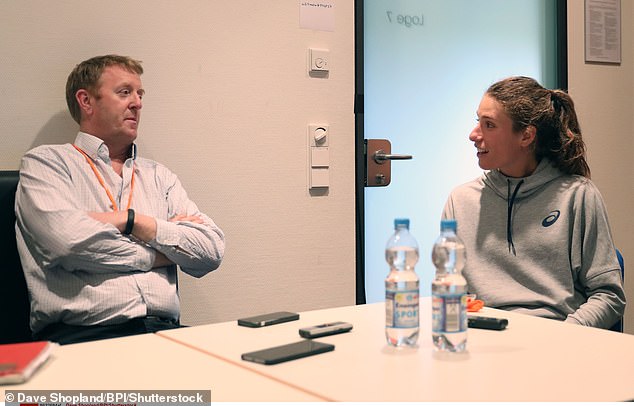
(117, 106)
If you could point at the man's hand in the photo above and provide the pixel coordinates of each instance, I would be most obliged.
(183, 217)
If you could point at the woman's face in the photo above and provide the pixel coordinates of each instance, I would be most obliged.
(499, 147)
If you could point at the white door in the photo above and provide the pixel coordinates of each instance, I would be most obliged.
(426, 66)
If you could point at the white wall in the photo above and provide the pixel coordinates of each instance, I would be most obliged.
(227, 107)
(604, 98)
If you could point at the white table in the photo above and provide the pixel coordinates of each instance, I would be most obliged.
(150, 362)
(534, 359)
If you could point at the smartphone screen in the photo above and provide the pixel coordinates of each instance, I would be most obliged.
(287, 352)
(267, 319)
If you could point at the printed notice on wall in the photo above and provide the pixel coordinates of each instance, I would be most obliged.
(317, 15)
(603, 31)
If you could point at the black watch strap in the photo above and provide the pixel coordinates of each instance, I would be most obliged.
(129, 225)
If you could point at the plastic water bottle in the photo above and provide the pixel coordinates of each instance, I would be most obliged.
(401, 287)
(449, 291)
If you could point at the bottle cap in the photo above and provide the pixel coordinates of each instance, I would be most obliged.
(401, 222)
(448, 224)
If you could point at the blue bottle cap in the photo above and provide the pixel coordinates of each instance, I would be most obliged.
(401, 222)
(448, 224)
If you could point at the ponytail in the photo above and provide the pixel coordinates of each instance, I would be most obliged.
(565, 147)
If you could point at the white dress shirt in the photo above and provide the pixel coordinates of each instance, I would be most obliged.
(80, 271)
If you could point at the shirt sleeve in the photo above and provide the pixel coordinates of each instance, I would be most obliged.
(57, 229)
(196, 248)
(593, 257)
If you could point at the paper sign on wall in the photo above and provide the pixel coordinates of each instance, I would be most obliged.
(317, 15)
(603, 31)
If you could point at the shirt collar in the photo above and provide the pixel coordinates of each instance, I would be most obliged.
(95, 148)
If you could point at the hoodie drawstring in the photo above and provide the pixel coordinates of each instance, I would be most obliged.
(509, 221)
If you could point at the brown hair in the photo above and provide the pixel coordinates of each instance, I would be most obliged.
(552, 113)
(86, 75)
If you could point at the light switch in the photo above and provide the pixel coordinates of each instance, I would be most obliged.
(319, 60)
(319, 177)
(319, 157)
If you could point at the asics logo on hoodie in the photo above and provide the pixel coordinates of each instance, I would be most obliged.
(551, 218)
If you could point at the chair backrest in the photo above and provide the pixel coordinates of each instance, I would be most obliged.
(15, 305)
(619, 324)
(622, 263)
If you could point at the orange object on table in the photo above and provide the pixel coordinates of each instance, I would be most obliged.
(474, 305)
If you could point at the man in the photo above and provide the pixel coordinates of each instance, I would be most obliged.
(99, 229)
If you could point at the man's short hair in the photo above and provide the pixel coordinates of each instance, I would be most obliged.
(86, 75)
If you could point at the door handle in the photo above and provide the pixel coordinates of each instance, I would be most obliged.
(378, 158)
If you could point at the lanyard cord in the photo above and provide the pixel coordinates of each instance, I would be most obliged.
(103, 184)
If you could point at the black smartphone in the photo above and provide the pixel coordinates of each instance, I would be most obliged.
(488, 323)
(268, 319)
(325, 329)
(287, 352)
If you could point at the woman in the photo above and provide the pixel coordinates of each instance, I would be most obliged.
(535, 227)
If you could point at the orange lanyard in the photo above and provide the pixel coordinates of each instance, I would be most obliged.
(103, 184)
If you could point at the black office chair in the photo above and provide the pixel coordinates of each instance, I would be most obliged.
(15, 305)
(619, 324)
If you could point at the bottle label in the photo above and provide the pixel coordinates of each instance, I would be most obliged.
(401, 308)
(449, 313)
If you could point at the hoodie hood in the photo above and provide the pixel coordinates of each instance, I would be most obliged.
(544, 173)
(513, 189)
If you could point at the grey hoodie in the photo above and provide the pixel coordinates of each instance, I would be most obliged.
(540, 245)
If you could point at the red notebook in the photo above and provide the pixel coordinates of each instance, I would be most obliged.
(19, 361)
